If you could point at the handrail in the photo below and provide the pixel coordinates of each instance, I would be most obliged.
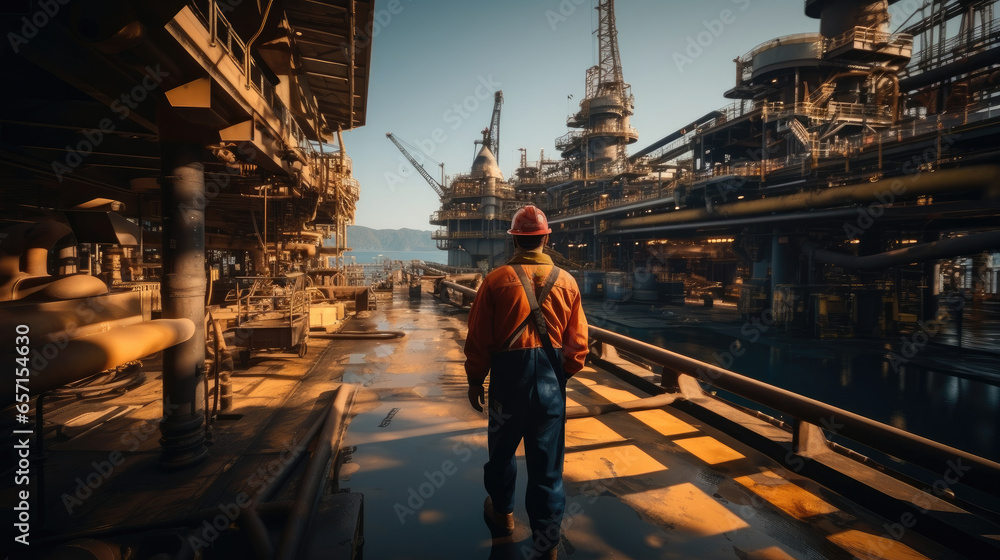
(216, 21)
(935, 456)
(923, 452)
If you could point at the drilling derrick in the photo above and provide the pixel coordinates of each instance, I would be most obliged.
(599, 148)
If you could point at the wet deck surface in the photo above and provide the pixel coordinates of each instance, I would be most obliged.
(652, 484)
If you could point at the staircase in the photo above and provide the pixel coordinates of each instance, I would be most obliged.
(802, 135)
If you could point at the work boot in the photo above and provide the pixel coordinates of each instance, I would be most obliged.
(502, 523)
(550, 554)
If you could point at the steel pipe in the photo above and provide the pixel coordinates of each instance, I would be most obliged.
(316, 470)
(308, 248)
(87, 355)
(945, 248)
(464, 290)
(980, 177)
(299, 451)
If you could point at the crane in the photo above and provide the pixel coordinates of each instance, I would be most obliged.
(491, 135)
(438, 187)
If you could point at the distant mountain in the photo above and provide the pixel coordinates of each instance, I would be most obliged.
(361, 238)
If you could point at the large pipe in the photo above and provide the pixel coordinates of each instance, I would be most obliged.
(956, 68)
(943, 249)
(980, 177)
(314, 234)
(49, 288)
(308, 493)
(308, 248)
(183, 294)
(88, 355)
(24, 252)
(673, 135)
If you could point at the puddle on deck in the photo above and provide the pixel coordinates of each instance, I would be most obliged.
(354, 359)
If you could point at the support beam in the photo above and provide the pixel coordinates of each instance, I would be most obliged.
(183, 291)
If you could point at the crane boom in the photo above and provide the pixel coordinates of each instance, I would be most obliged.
(493, 140)
(438, 187)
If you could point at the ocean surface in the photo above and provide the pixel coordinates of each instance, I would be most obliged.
(920, 396)
(369, 257)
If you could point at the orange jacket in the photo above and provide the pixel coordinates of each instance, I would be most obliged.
(501, 305)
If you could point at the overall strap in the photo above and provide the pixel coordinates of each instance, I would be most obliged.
(536, 310)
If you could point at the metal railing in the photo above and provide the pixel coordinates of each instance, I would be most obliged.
(870, 38)
(779, 110)
(571, 138)
(445, 234)
(937, 54)
(464, 185)
(457, 215)
(779, 41)
(222, 32)
(683, 376)
(606, 203)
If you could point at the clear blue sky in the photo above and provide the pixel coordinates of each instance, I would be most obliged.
(430, 57)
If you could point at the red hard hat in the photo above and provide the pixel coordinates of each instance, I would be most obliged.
(529, 220)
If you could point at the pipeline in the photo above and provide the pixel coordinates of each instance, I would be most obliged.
(24, 252)
(468, 294)
(361, 335)
(95, 353)
(981, 177)
(943, 249)
(330, 421)
(223, 365)
(314, 234)
(316, 472)
(308, 248)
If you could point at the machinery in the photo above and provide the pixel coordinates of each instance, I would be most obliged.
(475, 207)
(857, 143)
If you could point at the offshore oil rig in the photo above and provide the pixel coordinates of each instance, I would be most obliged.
(848, 186)
(197, 376)
(475, 207)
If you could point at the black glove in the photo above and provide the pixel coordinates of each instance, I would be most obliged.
(477, 397)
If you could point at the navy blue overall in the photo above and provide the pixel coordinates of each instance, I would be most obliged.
(527, 400)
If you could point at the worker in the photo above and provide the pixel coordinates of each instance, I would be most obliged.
(527, 331)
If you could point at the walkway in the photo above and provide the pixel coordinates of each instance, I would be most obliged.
(653, 484)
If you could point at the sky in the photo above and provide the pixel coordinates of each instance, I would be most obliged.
(435, 66)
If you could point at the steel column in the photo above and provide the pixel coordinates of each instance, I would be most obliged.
(183, 293)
